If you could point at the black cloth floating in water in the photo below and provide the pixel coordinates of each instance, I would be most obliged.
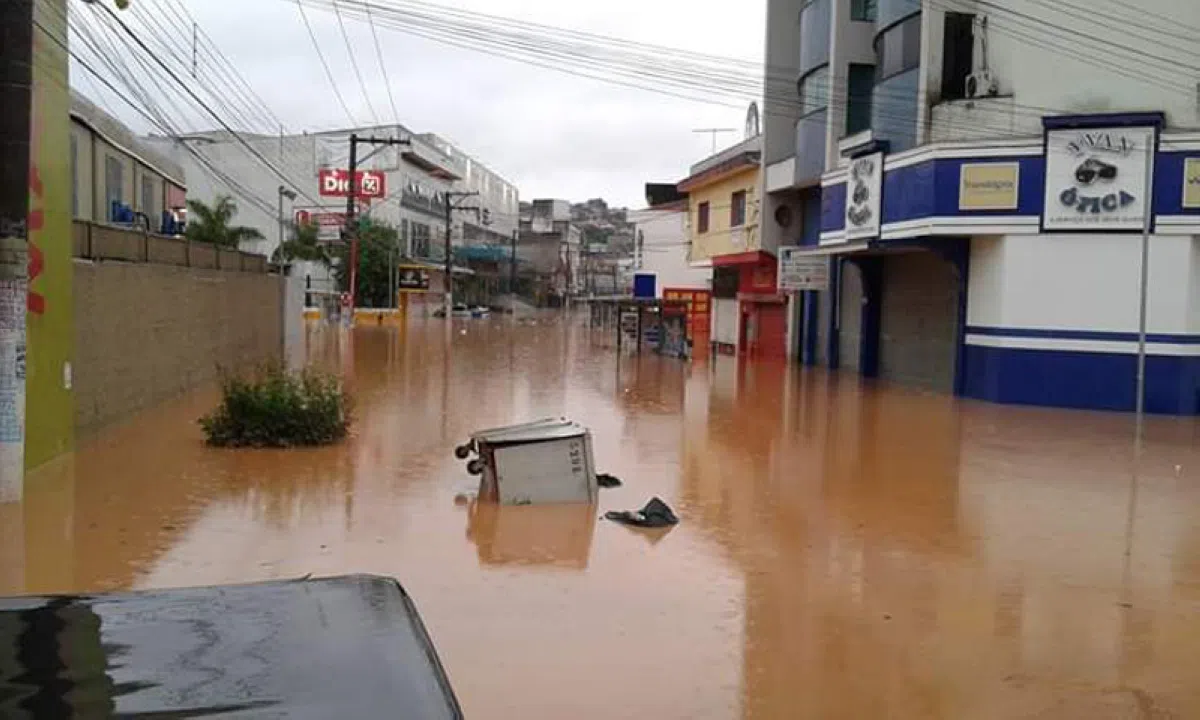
(655, 514)
(605, 480)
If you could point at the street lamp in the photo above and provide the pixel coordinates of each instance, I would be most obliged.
(290, 195)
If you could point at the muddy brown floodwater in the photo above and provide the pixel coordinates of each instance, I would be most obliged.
(845, 551)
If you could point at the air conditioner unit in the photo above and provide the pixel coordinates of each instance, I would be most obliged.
(982, 84)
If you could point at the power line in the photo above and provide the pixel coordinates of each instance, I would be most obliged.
(199, 101)
(325, 64)
(387, 83)
(354, 63)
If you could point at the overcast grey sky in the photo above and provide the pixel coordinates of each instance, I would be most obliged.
(553, 134)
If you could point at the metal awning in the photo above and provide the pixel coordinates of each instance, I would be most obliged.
(838, 249)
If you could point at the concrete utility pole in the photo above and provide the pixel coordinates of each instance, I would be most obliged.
(512, 274)
(16, 96)
(283, 193)
(452, 204)
(351, 228)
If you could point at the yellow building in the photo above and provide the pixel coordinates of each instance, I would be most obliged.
(723, 202)
(748, 313)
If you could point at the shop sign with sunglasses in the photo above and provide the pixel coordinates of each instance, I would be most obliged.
(1096, 179)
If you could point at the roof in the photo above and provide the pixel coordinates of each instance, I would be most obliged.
(663, 193)
(347, 647)
(115, 133)
(727, 167)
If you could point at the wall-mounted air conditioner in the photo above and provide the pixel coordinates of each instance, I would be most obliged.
(982, 84)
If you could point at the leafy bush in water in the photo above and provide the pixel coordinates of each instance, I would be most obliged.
(277, 408)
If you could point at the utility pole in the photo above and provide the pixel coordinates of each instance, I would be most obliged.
(16, 97)
(283, 193)
(512, 274)
(351, 228)
(452, 204)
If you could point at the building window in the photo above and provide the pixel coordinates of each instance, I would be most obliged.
(114, 184)
(814, 91)
(74, 176)
(958, 54)
(862, 10)
(737, 209)
(859, 92)
(702, 218)
(148, 204)
(898, 49)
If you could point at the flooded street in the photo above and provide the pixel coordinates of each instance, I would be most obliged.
(845, 550)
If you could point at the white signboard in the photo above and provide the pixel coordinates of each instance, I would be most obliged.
(863, 192)
(798, 271)
(1096, 179)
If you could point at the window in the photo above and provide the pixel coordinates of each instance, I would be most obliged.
(899, 48)
(702, 218)
(725, 282)
(737, 209)
(862, 10)
(814, 91)
(858, 108)
(958, 54)
(815, 20)
(114, 184)
(74, 176)
(421, 244)
(148, 204)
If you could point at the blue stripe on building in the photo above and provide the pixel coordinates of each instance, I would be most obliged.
(1084, 380)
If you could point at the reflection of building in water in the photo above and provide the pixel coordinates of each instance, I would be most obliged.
(52, 663)
(557, 535)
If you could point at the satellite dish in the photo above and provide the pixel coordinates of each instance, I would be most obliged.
(753, 126)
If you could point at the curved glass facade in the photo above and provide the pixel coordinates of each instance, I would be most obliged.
(815, 20)
(810, 145)
(897, 73)
(888, 12)
(894, 110)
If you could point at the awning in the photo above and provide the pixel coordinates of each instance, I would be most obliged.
(835, 249)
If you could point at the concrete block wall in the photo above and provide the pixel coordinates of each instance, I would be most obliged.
(147, 332)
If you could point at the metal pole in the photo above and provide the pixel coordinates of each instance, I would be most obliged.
(512, 275)
(16, 97)
(280, 218)
(351, 228)
(449, 256)
(1143, 290)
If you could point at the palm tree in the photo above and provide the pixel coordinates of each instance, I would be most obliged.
(210, 224)
(302, 245)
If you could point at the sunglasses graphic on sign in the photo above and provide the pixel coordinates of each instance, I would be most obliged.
(1092, 169)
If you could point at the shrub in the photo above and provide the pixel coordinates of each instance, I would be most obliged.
(278, 408)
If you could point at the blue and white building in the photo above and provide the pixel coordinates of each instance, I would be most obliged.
(979, 173)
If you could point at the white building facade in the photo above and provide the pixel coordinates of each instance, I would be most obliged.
(419, 176)
(978, 174)
(662, 249)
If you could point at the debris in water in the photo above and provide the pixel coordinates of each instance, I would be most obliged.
(545, 461)
(655, 514)
(605, 480)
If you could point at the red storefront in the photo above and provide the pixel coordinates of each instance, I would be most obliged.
(762, 309)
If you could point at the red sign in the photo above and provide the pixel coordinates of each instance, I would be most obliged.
(329, 224)
(369, 183)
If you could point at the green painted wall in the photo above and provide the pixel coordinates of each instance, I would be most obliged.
(49, 403)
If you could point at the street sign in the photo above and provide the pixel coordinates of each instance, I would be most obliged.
(412, 279)
(329, 224)
(335, 182)
(798, 271)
